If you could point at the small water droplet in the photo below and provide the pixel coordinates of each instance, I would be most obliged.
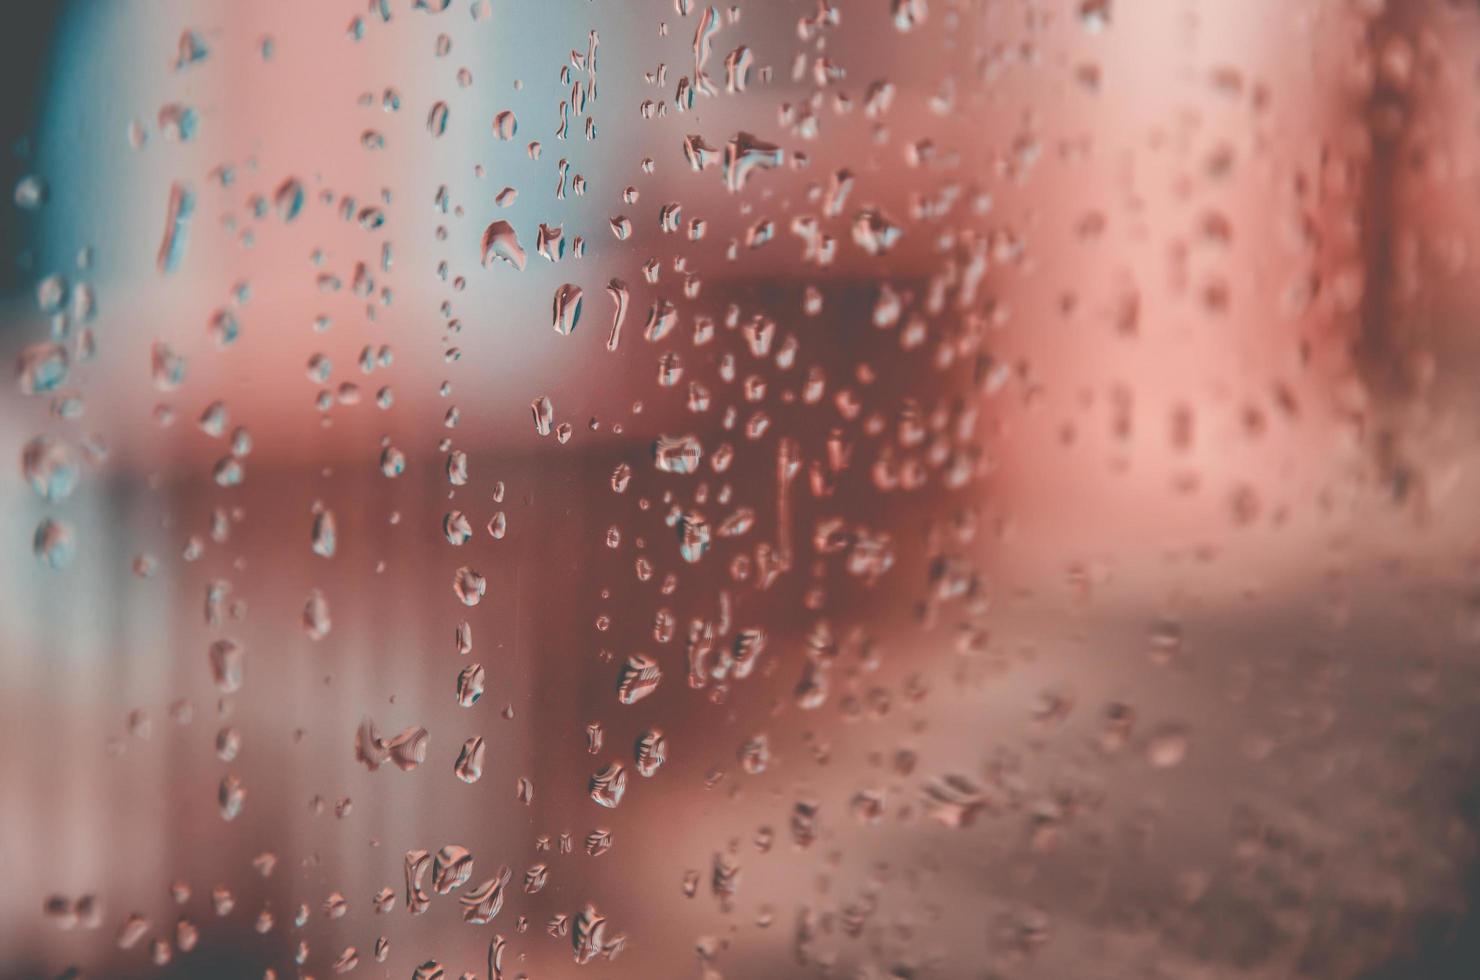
(325, 536)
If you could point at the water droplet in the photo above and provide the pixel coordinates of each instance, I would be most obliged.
(874, 232)
(638, 678)
(505, 125)
(804, 823)
(50, 467)
(409, 749)
(550, 242)
(587, 934)
(500, 242)
(54, 543)
(437, 119)
(324, 537)
(954, 800)
(42, 368)
(231, 796)
(908, 14)
(470, 685)
(469, 586)
(755, 755)
(567, 309)
(609, 785)
(457, 468)
(698, 153)
(191, 49)
(483, 903)
(30, 192)
(544, 414)
(178, 122)
(1167, 746)
(176, 227)
(288, 199)
(228, 744)
(316, 621)
(498, 525)
(346, 961)
(651, 752)
(744, 155)
(677, 455)
(451, 868)
(693, 536)
(228, 662)
(469, 765)
(224, 328)
(456, 527)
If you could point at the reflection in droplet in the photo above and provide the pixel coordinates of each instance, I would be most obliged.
(324, 536)
(452, 866)
(469, 586)
(567, 308)
(609, 784)
(588, 934)
(437, 119)
(501, 243)
(316, 621)
(409, 749)
(30, 192)
(677, 454)
(228, 663)
(470, 682)
(456, 528)
(483, 903)
(288, 199)
(651, 752)
(42, 368)
(176, 227)
(231, 796)
(469, 765)
(51, 467)
(638, 678)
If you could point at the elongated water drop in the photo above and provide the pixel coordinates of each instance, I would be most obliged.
(176, 227)
(325, 535)
(567, 309)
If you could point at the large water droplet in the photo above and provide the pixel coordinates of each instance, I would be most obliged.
(679, 454)
(501, 243)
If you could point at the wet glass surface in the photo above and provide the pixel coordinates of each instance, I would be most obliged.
(800, 488)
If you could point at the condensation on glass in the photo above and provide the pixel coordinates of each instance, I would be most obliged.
(799, 488)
